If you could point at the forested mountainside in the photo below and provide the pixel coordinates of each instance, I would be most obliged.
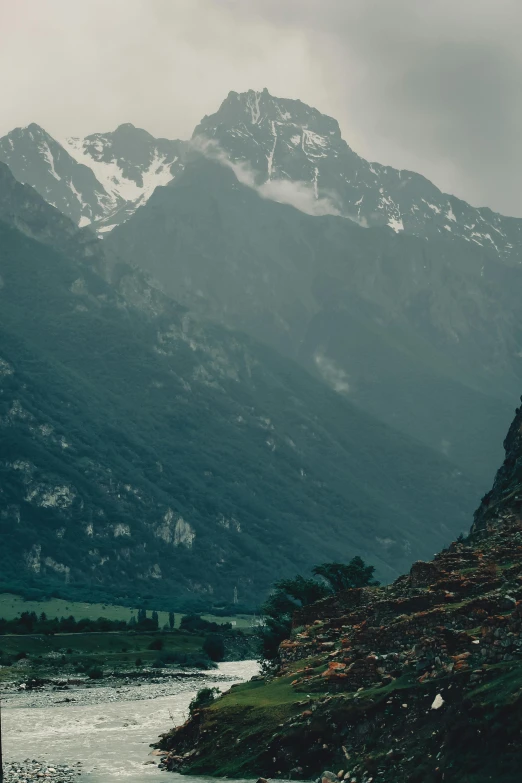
(144, 450)
(416, 682)
(422, 334)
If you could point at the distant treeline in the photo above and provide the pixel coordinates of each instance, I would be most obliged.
(31, 623)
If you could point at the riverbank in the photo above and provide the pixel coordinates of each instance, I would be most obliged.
(32, 771)
(107, 726)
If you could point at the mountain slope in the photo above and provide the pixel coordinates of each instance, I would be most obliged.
(417, 333)
(144, 450)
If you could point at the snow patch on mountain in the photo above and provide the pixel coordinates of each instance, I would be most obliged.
(44, 147)
(109, 175)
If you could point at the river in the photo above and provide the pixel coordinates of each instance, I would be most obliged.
(106, 728)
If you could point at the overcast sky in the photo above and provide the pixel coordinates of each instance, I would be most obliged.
(429, 85)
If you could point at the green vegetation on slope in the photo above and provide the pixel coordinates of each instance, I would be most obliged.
(162, 455)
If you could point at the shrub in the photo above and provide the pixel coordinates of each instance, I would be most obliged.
(204, 698)
(95, 673)
(156, 644)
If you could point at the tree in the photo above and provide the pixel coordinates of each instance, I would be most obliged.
(302, 591)
(291, 594)
(214, 646)
(171, 620)
(155, 619)
(341, 576)
(279, 608)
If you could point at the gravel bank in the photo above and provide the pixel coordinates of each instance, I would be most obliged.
(32, 771)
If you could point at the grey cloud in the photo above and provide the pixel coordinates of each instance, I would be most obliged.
(433, 87)
(430, 85)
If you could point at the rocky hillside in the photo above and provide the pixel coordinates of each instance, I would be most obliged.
(145, 451)
(420, 681)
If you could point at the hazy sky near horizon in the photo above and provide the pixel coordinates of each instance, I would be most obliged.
(428, 85)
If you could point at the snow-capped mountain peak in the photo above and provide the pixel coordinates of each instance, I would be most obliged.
(100, 179)
(103, 178)
(286, 139)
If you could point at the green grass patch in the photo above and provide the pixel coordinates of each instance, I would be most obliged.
(504, 688)
(12, 606)
(63, 654)
(260, 694)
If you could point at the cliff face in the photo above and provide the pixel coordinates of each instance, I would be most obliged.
(503, 504)
(418, 681)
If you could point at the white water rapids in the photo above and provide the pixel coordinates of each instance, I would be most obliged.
(107, 729)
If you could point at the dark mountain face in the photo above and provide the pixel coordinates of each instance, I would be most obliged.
(416, 332)
(146, 450)
(501, 507)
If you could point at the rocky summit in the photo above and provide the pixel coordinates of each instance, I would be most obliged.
(417, 681)
(286, 141)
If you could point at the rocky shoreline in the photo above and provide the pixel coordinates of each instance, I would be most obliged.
(32, 771)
